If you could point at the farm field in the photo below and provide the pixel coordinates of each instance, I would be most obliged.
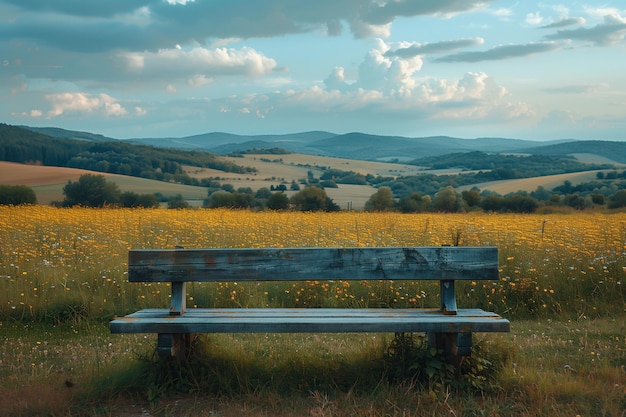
(63, 274)
(530, 184)
(272, 170)
(48, 182)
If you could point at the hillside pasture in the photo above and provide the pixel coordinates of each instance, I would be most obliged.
(288, 167)
(48, 182)
(272, 170)
(530, 184)
(591, 158)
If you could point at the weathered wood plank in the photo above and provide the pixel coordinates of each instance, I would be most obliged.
(309, 320)
(313, 312)
(292, 264)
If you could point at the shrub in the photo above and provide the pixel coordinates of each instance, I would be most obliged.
(278, 201)
(91, 191)
(313, 199)
(16, 195)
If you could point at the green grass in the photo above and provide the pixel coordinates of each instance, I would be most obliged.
(63, 275)
(545, 368)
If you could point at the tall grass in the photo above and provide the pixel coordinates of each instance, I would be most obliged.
(69, 264)
(63, 274)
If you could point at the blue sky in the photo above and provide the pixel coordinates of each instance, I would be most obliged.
(155, 68)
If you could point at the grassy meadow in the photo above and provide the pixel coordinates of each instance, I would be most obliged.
(63, 275)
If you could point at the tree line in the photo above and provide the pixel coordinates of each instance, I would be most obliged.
(92, 190)
(449, 201)
(115, 157)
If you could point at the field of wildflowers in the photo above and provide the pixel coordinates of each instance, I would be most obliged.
(63, 274)
(70, 264)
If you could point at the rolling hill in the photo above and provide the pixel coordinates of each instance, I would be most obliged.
(357, 145)
(313, 153)
(48, 182)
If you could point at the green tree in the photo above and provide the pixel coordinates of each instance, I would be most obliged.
(541, 194)
(493, 202)
(278, 201)
(381, 200)
(231, 200)
(618, 200)
(177, 202)
(313, 199)
(131, 199)
(221, 199)
(471, 197)
(575, 201)
(413, 203)
(597, 199)
(447, 200)
(520, 204)
(263, 193)
(91, 191)
(243, 200)
(17, 195)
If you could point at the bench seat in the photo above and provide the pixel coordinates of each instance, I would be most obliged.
(309, 320)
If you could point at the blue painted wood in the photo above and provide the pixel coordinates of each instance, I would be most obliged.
(448, 297)
(300, 264)
(178, 302)
(309, 320)
(448, 326)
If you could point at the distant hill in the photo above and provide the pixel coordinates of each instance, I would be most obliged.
(112, 156)
(351, 163)
(615, 151)
(372, 147)
(224, 143)
(363, 146)
(59, 133)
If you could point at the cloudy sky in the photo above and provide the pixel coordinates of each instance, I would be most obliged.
(154, 68)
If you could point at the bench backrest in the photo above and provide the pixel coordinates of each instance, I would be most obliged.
(444, 263)
(300, 264)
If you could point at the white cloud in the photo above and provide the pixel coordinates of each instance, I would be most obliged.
(199, 80)
(84, 103)
(199, 62)
(135, 26)
(602, 12)
(503, 13)
(475, 97)
(390, 83)
(534, 19)
(362, 29)
(381, 71)
(336, 80)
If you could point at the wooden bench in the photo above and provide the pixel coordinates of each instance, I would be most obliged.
(448, 327)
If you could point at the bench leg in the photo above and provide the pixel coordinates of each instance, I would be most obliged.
(174, 345)
(454, 345)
